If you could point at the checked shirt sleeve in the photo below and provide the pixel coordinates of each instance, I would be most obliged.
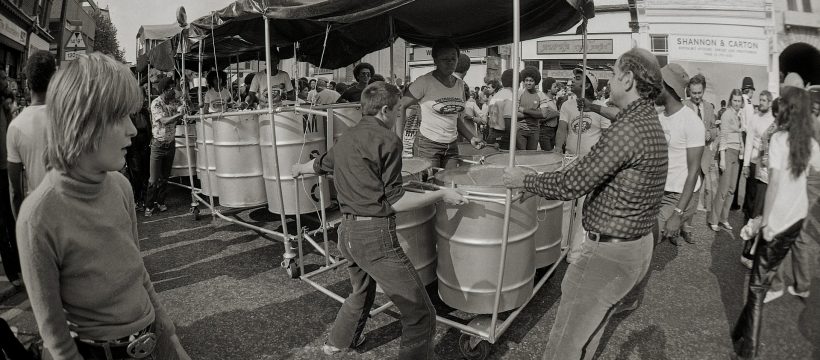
(615, 148)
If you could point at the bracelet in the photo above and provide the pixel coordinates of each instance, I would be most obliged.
(678, 211)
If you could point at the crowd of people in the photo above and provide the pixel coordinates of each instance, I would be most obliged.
(648, 151)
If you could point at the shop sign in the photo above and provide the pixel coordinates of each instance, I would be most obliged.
(12, 31)
(73, 54)
(718, 49)
(37, 43)
(594, 46)
(426, 53)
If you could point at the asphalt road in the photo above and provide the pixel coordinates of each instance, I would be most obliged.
(223, 286)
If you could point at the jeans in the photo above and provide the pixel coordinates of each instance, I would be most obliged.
(546, 137)
(138, 163)
(592, 290)
(161, 162)
(768, 255)
(441, 155)
(710, 187)
(668, 204)
(375, 256)
(8, 234)
(168, 346)
(526, 139)
(500, 137)
(754, 199)
(722, 202)
(576, 241)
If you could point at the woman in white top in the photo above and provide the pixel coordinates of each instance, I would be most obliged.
(792, 152)
(440, 96)
(218, 98)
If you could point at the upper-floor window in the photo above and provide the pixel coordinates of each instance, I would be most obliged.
(807, 6)
(791, 5)
(659, 44)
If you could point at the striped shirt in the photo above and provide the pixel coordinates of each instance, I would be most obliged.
(624, 175)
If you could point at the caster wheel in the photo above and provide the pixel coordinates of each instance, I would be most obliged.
(195, 213)
(291, 268)
(473, 348)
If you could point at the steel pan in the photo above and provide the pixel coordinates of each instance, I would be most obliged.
(469, 244)
(204, 140)
(238, 161)
(471, 155)
(415, 228)
(345, 118)
(299, 138)
(550, 212)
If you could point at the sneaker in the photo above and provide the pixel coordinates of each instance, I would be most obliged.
(330, 349)
(149, 212)
(714, 227)
(726, 226)
(746, 262)
(162, 208)
(771, 295)
(804, 294)
(140, 207)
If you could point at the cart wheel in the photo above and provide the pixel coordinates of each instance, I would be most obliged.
(195, 213)
(480, 351)
(291, 267)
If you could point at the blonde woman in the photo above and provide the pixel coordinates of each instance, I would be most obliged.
(89, 290)
(730, 148)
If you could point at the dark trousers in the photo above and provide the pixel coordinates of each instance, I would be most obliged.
(440, 155)
(755, 195)
(8, 235)
(546, 137)
(527, 139)
(9, 344)
(160, 164)
(375, 256)
(138, 163)
(768, 256)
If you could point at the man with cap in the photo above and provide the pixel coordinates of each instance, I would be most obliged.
(685, 138)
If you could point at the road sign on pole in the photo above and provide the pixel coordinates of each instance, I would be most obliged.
(75, 41)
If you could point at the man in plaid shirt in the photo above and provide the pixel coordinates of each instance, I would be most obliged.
(623, 177)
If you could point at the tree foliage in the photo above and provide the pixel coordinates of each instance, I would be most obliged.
(105, 38)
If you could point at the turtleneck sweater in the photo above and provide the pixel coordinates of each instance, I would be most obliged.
(81, 262)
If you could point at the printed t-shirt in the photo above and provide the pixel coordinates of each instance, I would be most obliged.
(440, 107)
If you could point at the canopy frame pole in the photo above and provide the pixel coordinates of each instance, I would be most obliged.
(289, 254)
(505, 236)
(392, 41)
(186, 98)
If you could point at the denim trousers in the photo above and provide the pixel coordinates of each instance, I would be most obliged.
(168, 346)
(160, 164)
(375, 257)
(722, 202)
(441, 155)
(710, 187)
(767, 259)
(546, 137)
(527, 139)
(668, 205)
(592, 290)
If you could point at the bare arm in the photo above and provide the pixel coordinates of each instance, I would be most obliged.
(609, 112)
(16, 182)
(406, 102)
(561, 135)
(413, 200)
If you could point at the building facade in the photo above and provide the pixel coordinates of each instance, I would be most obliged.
(23, 29)
(79, 23)
(794, 21)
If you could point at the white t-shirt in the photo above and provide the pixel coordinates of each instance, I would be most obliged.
(755, 129)
(591, 126)
(277, 82)
(26, 143)
(791, 200)
(683, 130)
(498, 108)
(325, 97)
(440, 107)
(217, 101)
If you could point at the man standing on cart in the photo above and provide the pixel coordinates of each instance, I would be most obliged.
(623, 177)
(366, 164)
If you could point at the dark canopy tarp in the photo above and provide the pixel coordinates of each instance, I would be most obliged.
(359, 27)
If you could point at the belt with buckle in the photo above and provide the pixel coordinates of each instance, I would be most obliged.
(598, 237)
(359, 218)
(136, 346)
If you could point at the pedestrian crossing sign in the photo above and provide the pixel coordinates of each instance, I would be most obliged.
(75, 41)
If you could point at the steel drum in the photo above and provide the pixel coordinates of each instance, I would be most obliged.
(469, 244)
(238, 161)
(550, 212)
(181, 166)
(471, 155)
(415, 228)
(345, 118)
(204, 140)
(299, 138)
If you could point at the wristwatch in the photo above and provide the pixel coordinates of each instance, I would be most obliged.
(678, 211)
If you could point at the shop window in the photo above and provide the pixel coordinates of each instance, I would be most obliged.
(807, 6)
(659, 43)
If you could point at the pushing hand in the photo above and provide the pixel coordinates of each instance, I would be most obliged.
(454, 197)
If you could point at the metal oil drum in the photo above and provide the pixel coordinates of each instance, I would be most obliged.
(345, 118)
(179, 131)
(203, 140)
(415, 228)
(181, 166)
(238, 161)
(471, 155)
(469, 238)
(550, 212)
(299, 138)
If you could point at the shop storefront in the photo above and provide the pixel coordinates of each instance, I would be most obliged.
(12, 46)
